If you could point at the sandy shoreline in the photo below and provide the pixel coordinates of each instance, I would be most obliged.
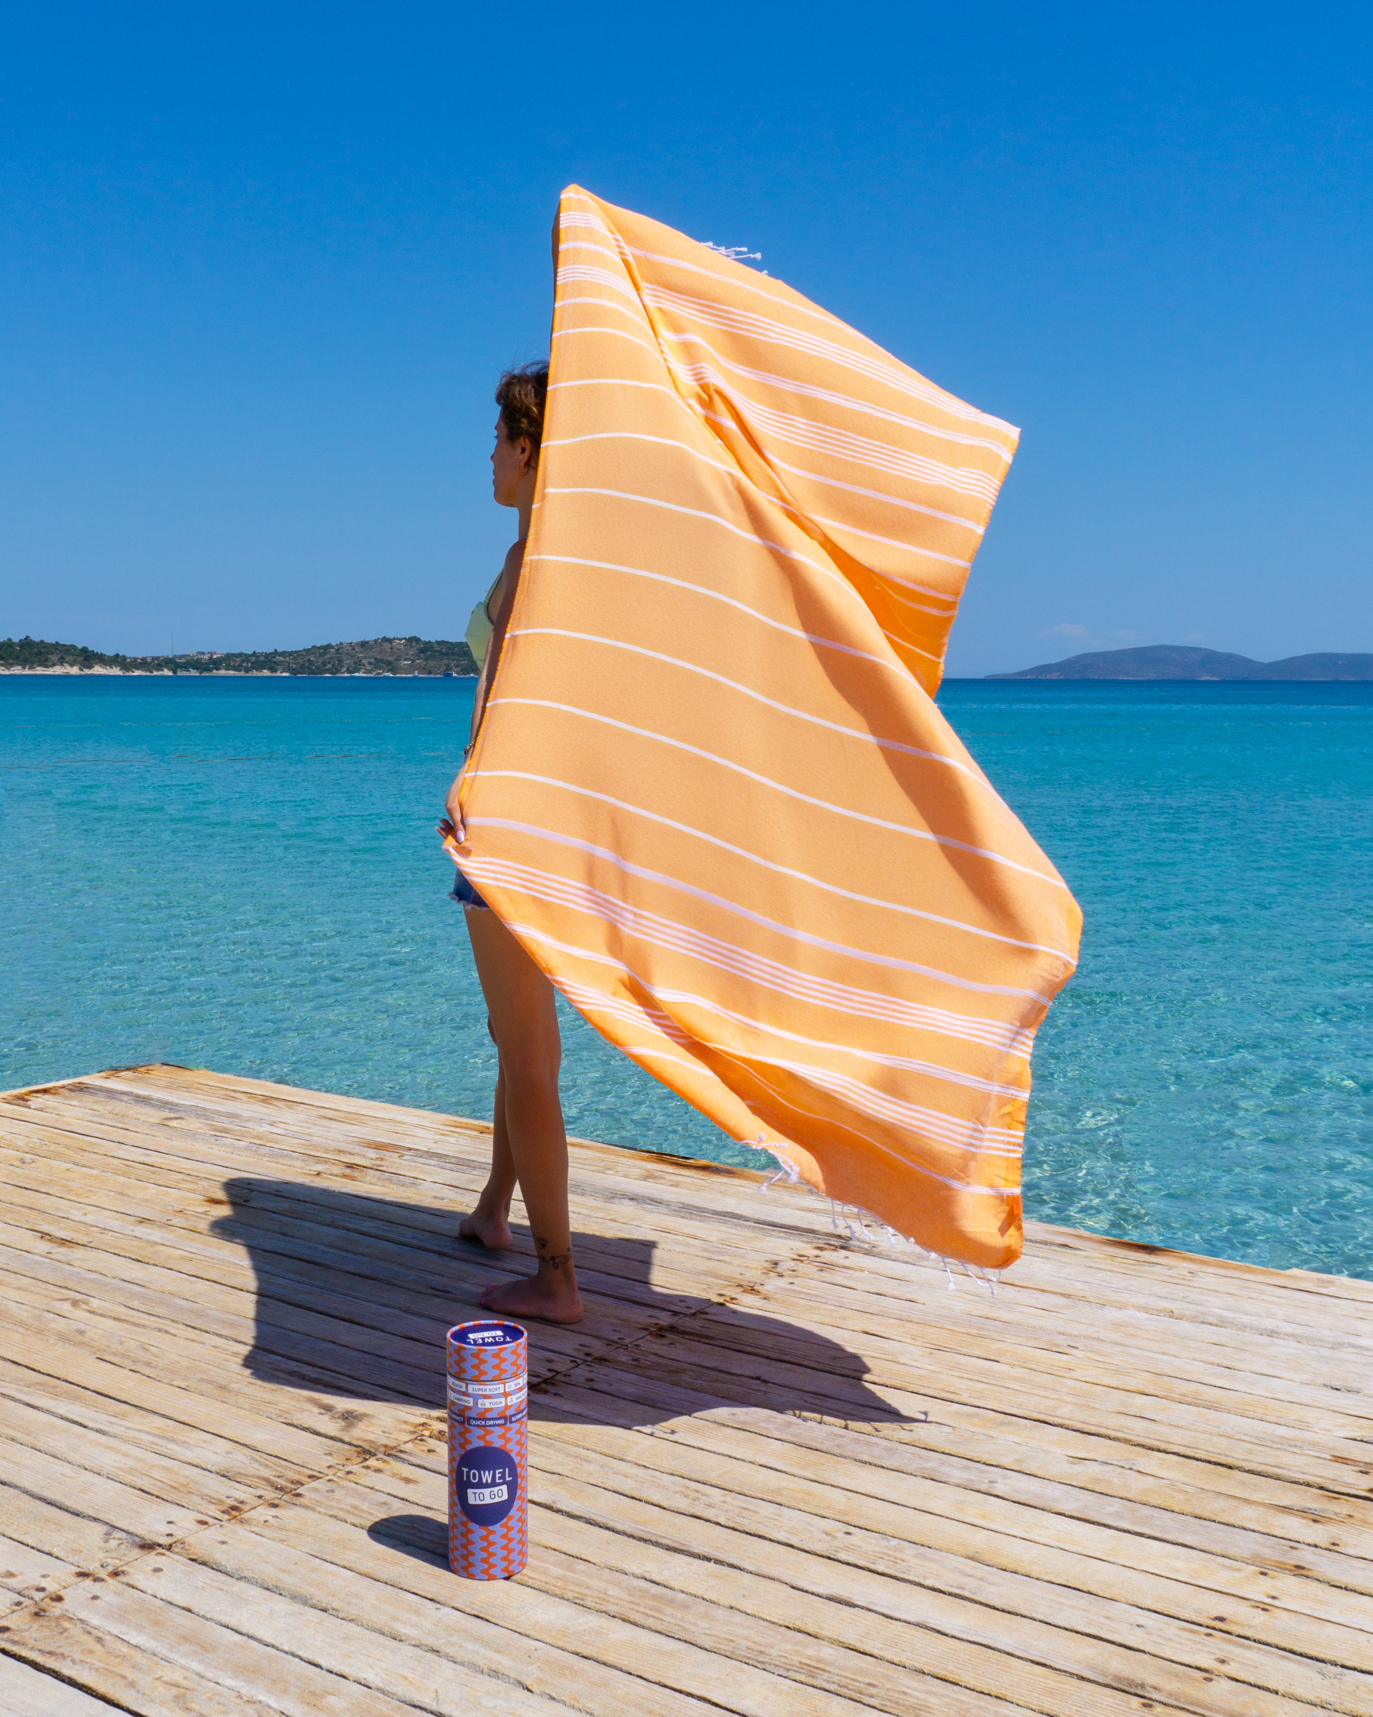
(166, 673)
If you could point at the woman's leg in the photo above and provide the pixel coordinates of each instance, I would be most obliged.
(489, 1223)
(529, 1130)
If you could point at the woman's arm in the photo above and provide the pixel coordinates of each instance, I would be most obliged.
(504, 594)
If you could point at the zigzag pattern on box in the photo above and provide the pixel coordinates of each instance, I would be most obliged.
(488, 1381)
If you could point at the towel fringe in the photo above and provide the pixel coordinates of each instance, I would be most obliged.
(852, 1223)
(735, 252)
(784, 1171)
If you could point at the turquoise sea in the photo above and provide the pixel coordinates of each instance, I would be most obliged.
(242, 874)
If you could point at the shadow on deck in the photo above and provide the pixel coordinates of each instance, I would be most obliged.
(354, 1295)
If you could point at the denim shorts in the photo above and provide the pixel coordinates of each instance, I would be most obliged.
(465, 895)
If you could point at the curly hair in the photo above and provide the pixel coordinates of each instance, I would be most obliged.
(521, 395)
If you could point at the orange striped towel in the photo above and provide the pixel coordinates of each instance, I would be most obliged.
(712, 795)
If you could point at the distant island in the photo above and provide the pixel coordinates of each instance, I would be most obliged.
(1185, 662)
(426, 657)
(437, 657)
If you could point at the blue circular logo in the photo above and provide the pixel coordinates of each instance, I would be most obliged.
(488, 1485)
(487, 1332)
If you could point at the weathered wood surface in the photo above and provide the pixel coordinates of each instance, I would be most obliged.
(772, 1473)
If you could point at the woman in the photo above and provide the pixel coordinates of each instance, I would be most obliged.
(528, 1141)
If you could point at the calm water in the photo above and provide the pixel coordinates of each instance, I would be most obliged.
(242, 874)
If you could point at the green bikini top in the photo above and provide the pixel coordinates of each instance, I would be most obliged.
(480, 627)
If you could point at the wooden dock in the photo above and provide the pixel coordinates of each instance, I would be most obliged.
(772, 1473)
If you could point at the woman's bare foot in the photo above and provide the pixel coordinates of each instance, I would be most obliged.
(540, 1296)
(487, 1229)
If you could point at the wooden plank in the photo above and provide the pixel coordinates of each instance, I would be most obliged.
(698, 1655)
(1251, 1302)
(970, 1644)
(926, 1387)
(1043, 1238)
(1079, 1285)
(240, 1149)
(379, 1231)
(965, 1558)
(1022, 1664)
(45, 1352)
(616, 1176)
(375, 1571)
(1195, 1420)
(229, 1309)
(129, 1164)
(989, 1431)
(141, 1428)
(156, 1657)
(150, 1070)
(1235, 1484)
(182, 1080)
(102, 1664)
(1001, 1459)
(1028, 1617)
(29, 1692)
(1304, 1424)
(185, 1083)
(620, 1266)
(181, 1158)
(1025, 1321)
(326, 1268)
(1264, 1300)
(331, 1365)
(77, 1292)
(27, 1574)
(393, 1667)
(189, 1082)
(72, 1233)
(1049, 1237)
(662, 1260)
(1049, 1584)
(317, 1131)
(306, 1401)
(963, 1644)
(57, 1531)
(169, 1479)
(281, 1351)
(830, 1487)
(1084, 1295)
(938, 1482)
(140, 1514)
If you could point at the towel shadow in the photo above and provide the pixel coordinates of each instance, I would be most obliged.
(419, 1535)
(355, 1294)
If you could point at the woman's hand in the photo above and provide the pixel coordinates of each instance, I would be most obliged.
(451, 827)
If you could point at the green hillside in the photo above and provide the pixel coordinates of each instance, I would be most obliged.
(426, 656)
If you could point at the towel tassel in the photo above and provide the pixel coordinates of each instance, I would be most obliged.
(854, 1227)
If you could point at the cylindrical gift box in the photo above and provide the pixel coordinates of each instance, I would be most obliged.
(488, 1428)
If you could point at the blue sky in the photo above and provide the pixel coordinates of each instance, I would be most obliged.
(261, 266)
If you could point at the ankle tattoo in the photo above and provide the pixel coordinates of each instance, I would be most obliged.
(554, 1260)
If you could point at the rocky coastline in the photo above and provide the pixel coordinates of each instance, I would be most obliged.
(373, 658)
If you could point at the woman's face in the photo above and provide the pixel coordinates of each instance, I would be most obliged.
(510, 460)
